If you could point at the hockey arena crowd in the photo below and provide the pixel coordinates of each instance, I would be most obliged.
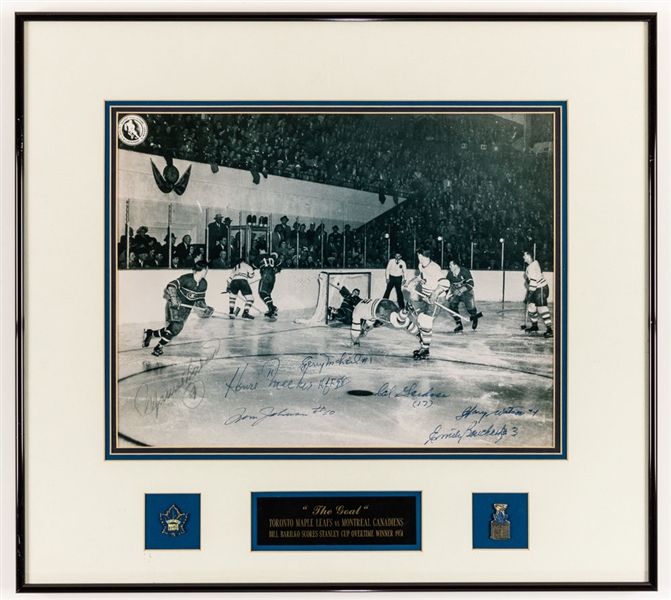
(458, 186)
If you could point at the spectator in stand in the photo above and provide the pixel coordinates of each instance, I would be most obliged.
(332, 261)
(311, 234)
(335, 242)
(217, 232)
(141, 238)
(302, 236)
(142, 254)
(348, 235)
(153, 260)
(285, 229)
(196, 254)
(168, 250)
(284, 253)
(294, 234)
(311, 258)
(220, 262)
(123, 249)
(183, 250)
(277, 238)
(320, 239)
(122, 242)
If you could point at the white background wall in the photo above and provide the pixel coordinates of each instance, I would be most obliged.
(141, 292)
(231, 192)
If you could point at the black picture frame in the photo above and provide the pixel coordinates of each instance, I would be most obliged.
(23, 585)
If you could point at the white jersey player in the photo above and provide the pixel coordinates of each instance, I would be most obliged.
(537, 295)
(238, 283)
(367, 312)
(423, 292)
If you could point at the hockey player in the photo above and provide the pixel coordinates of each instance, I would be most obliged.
(423, 292)
(368, 312)
(461, 290)
(344, 312)
(238, 283)
(181, 294)
(537, 295)
(268, 265)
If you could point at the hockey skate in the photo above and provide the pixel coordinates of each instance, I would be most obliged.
(459, 328)
(158, 351)
(421, 354)
(533, 327)
(231, 314)
(146, 340)
(246, 315)
(474, 322)
(548, 333)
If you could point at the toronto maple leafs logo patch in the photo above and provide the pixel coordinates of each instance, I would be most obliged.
(173, 521)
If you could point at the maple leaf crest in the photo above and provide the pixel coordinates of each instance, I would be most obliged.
(173, 521)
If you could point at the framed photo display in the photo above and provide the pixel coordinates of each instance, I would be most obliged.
(292, 291)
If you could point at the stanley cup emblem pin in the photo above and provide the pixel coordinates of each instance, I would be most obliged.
(500, 525)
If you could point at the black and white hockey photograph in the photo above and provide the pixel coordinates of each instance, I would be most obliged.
(337, 279)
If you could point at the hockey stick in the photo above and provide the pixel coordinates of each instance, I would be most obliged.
(455, 314)
(222, 315)
(526, 316)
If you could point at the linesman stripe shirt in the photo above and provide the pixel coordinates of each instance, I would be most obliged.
(396, 268)
(535, 276)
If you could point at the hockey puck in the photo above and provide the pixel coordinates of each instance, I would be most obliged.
(360, 393)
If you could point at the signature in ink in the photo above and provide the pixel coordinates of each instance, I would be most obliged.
(408, 391)
(264, 413)
(473, 411)
(188, 387)
(323, 360)
(471, 431)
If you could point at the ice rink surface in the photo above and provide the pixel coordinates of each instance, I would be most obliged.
(258, 385)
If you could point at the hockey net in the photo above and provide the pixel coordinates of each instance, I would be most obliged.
(328, 294)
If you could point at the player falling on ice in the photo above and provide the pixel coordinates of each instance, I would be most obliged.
(423, 293)
(181, 295)
(268, 265)
(369, 313)
(238, 283)
(537, 295)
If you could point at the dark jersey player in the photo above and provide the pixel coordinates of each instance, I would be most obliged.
(461, 290)
(268, 265)
(344, 312)
(181, 295)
